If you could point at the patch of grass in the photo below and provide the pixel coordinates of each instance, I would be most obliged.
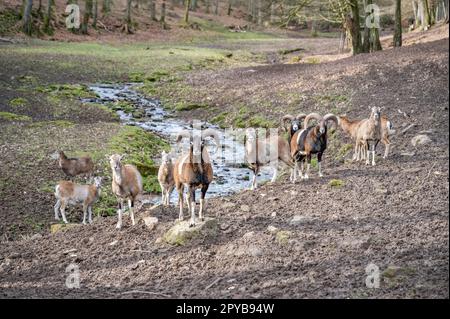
(288, 51)
(106, 109)
(189, 106)
(35, 225)
(140, 147)
(125, 106)
(336, 183)
(343, 151)
(14, 117)
(314, 163)
(296, 59)
(259, 121)
(220, 119)
(312, 60)
(17, 102)
(68, 90)
(282, 237)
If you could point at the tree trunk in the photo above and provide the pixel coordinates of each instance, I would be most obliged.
(229, 7)
(48, 17)
(106, 7)
(194, 5)
(353, 26)
(27, 23)
(94, 13)
(152, 7)
(128, 27)
(398, 24)
(86, 16)
(366, 35)
(426, 22)
(186, 14)
(207, 6)
(163, 15)
(216, 9)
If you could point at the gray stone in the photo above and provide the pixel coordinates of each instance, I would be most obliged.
(181, 232)
(420, 139)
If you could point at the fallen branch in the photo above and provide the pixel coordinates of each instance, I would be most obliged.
(145, 292)
(408, 128)
(213, 283)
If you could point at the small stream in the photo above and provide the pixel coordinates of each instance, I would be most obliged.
(229, 174)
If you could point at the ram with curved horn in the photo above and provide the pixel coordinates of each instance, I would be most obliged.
(295, 123)
(310, 140)
(194, 170)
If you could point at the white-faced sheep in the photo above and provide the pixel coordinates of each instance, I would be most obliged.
(70, 193)
(75, 166)
(309, 141)
(194, 170)
(266, 151)
(165, 178)
(368, 135)
(126, 185)
(349, 126)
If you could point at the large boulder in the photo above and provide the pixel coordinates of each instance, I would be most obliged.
(181, 232)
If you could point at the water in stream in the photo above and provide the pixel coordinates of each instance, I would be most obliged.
(229, 175)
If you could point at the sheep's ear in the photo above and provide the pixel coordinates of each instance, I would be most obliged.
(122, 156)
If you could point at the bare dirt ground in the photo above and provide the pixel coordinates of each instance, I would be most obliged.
(394, 215)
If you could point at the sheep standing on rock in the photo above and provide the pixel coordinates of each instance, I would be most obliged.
(126, 185)
(165, 178)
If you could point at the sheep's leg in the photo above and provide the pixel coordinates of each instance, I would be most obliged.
(191, 200)
(119, 214)
(374, 147)
(387, 148)
(356, 152)
(180, 201)
(63, 212)
(367, 149)
(319, 161)
(308, 166)
(90, 214)
(302, 167)
(131, 206)
(56, 208)
(254, 181)
(163, 194)
(85, 208)
(202, 201)
(275, 173)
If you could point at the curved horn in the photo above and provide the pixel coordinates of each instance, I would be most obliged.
(287, 117)
(183, 133)
(301, 116)
(213, 134)
(331, 117)
(310, 116)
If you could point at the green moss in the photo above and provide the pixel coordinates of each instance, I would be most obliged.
(343, 151)
(259, 121)
(14, 117)
(68, 90)
(125, 106)
(19, 101)
(313, 60)
(336, 183)
(8, 20)
(189, 106)
(140, 147)
(220, 119)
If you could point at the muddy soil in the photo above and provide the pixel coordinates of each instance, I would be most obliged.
(393, 216)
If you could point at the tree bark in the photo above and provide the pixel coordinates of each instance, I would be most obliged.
(426, 22)
(27, 23)
(186, 14)
(229, 7)
(106, 6)
(163, 15)
(398, 24)
(86, 16)
(94, 13)
(353, 26)
(48, 17)
(152, 7)
(216, 9)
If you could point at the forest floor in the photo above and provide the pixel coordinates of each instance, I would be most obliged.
(393, 215)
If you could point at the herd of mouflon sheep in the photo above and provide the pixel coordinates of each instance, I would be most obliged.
(194, 169)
